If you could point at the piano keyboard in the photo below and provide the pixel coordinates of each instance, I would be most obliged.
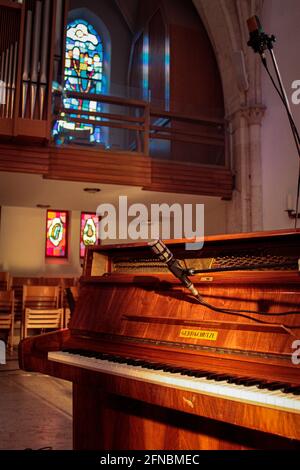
(271, 394)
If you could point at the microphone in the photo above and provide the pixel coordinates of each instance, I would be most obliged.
(165, 255)
(259, 40)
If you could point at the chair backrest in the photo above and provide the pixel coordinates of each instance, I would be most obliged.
(5, 280)
(43, 319)
(41, 308)
(72, 294)
(7, 313)
(41, 297)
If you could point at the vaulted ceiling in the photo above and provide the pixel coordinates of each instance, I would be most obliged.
(129, 10)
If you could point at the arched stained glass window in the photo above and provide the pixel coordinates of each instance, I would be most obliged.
(83, 74)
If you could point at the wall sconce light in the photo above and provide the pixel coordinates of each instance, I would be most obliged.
(292, 213)
(289, 208)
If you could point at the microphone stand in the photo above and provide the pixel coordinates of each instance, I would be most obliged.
(260, 41)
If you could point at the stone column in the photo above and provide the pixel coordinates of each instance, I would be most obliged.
(244, 213)
(255, 115)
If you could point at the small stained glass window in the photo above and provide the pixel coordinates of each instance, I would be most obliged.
(57, 234)
(88, 231)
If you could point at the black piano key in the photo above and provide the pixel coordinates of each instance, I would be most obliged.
(87, 354)
(275, 386)
(112, 359)
(199, 373)
(121, 360)
(157, 366)
(222, 377)
(185, 371)
(239, 380)
(178, 370)
(104, 357)
(148, 365)
(217, 377)
(250, 382)
(265, 384)
(135, 362)
(99, 356)
(294, 390)
(191, 373)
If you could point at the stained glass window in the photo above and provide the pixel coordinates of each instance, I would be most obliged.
(56, 234)
(83, 74)
(88, 230)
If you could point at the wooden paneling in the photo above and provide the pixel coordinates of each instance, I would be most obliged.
(24, 159)
(132, 424)
(73, 164)
(194, 84)
(101, 167)
(190, 179)
(194, 75)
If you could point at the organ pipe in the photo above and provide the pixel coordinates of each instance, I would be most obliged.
(27, 47)
(9, 80)
(44, 55)
(5, 82)
(2, 59)
(35, 55)
(14, 78)
(39, 31)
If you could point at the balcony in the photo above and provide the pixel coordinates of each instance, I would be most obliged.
(130, 142)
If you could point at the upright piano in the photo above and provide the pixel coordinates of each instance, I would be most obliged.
(152, 368)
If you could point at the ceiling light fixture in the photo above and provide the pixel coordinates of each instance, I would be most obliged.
(92, 190)
(43, 206)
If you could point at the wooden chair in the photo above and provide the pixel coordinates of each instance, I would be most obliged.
(7, 314)
(72, 294)
(41, 308)
(5, 280)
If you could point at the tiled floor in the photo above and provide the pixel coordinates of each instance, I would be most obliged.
(35, 409)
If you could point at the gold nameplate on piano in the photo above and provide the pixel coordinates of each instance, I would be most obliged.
(199, 334)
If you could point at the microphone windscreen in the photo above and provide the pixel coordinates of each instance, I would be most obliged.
(253, 24)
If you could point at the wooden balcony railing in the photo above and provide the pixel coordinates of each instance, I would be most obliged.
(144, 123)
(142, 146)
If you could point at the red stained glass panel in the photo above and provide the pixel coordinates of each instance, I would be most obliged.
(57, 234)
(88, 230)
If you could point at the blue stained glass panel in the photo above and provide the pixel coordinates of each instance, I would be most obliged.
(83, 74)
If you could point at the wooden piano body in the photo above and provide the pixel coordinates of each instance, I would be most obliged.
(140, 346)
